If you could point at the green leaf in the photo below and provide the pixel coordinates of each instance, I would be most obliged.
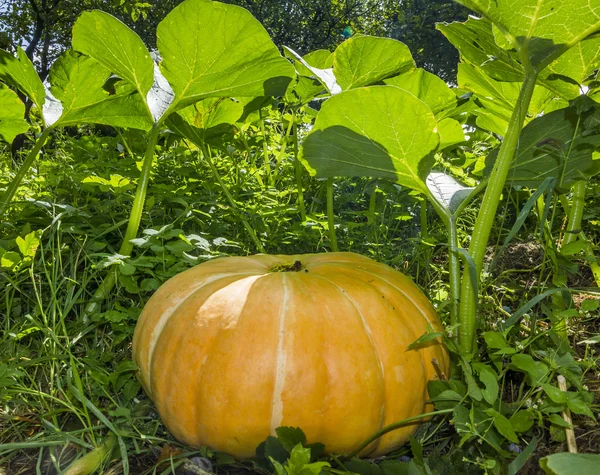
(78, 83)
(9, 260)
(365, 60)
(290, 437)
(568, 464)
(502, 425)
(543, 29)
(574, 247)
(555, 394)
(451, 133)
(554, 145)
(20, 73)
(299, 457)
(126, 269)
(447, 191)
(571, 70)
(320, 58)
(424, 339)
(379, 131)
(559, 421)
(206, 120)
(432, 90)
(536, 371)
(578, 406)
(590, 305)
(473, 388)
(521, 421)
(129, 283)
(28, 245)
(12, 113)
(497, 98)
(477, 45)
(489, 378)
(495, 340)
(222, 51)
(116, 46)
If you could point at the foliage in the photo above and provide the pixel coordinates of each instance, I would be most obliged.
(215, 168)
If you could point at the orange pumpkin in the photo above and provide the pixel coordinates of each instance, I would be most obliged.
(238, 346)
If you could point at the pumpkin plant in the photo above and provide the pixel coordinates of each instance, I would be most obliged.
(238, 346)
(518, 51)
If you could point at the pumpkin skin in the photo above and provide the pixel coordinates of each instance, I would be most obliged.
(235, 347)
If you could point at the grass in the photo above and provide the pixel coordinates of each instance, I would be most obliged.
(67, 383)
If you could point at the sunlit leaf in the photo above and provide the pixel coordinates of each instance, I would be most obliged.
(78, 83)
(497, 98)
(206, 119)
(554, 145)
(20, 73)
(221, 51)
(324, 75)
(428, 87)
(116, 46)
(542, 28)
(365, 60)
(12, 113)
(379, 131)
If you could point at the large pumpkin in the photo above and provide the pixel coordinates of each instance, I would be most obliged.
(238, 346)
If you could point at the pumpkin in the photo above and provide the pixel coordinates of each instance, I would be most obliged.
(235, 347)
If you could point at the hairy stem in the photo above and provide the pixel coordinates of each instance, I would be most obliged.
(133, 225)
(487, 213)
(330, 215)
(25, 166)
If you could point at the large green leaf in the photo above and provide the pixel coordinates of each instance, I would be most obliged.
(118, 48)
(206, 120)
(379, 131)
(544, 29)
(20, 73)
(12, 113)
(559, 145)
(573, 68)
(78, 83)
(567, 464)
(210, 49)
(497, 98)
(365, 60)
(478, 45)
(428, 87)
(307, 85)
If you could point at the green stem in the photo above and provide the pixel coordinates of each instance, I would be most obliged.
(487, 213)
(25, 166)
(298, 170)
(284, 143)
(454, 271)
(372, 206)
(330, 216)
(229, 196)
(91, 461)
(267, 164)
(575, 213)
(449, 221)
(392, 427)
(133, 225)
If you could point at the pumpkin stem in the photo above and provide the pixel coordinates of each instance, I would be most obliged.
(296, 266)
